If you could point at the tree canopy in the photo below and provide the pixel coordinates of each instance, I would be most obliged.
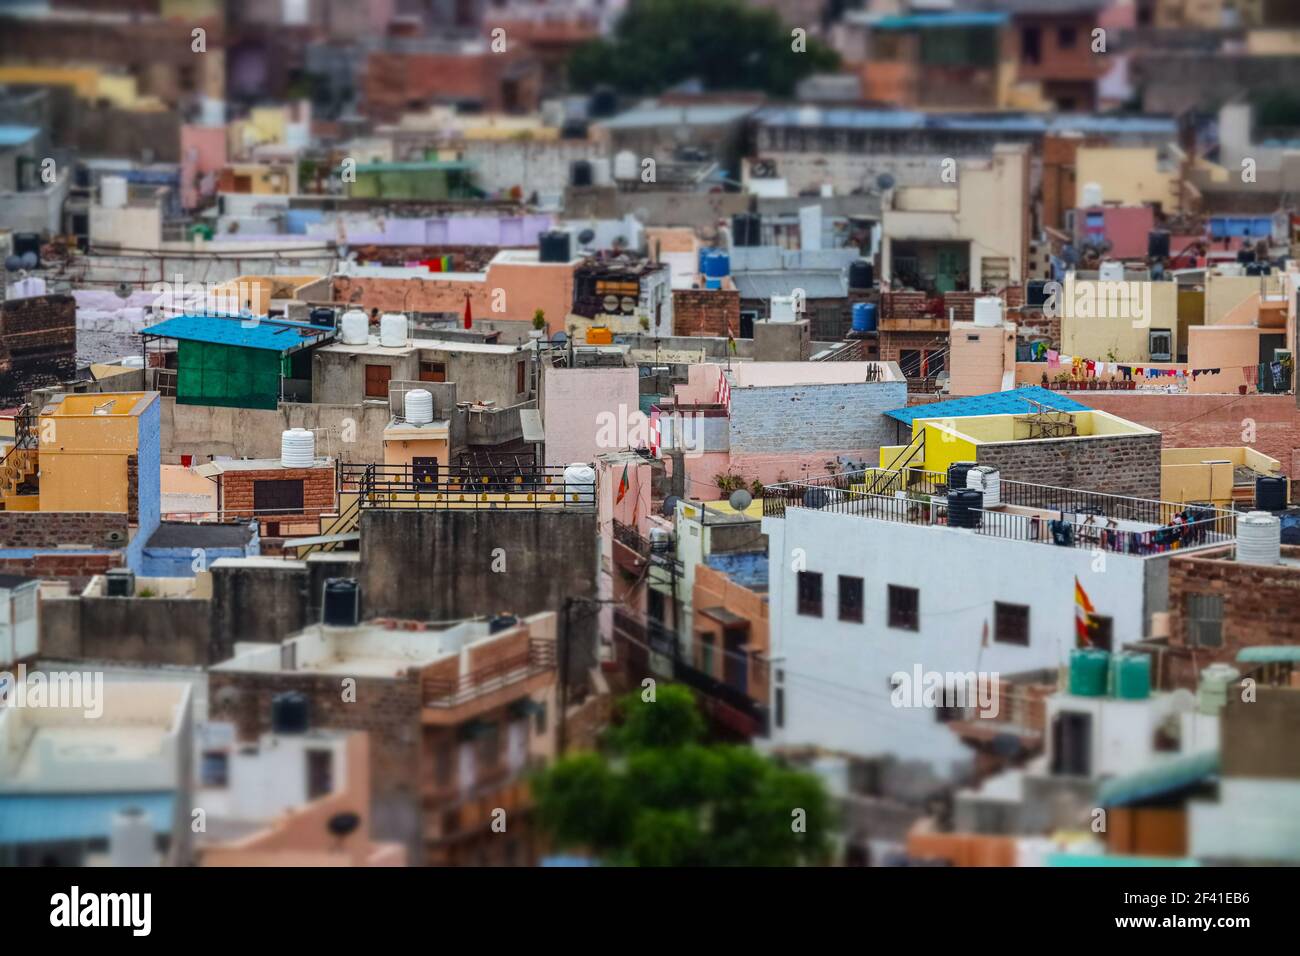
(661, 797)
(723, 43)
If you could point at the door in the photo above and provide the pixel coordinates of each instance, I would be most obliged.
(1267, 344)
(377, 377)
(735, 661)
(947, 264)
(747, 325)
(424, 472)
(1072, 744)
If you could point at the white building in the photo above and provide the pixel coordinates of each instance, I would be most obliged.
(865, 586)
(18, 623)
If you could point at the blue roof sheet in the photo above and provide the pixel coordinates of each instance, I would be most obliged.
(17, 135)
(995, 403)
(50, 817)
(1159, 781)
(273, 335)
(1032, 123)
(912, 21)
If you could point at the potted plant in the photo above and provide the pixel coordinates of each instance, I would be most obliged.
(1061, 379)
(645, 323)
(539, 325)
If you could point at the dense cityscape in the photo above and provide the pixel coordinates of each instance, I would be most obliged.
(650, 433)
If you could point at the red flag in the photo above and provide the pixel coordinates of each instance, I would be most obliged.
(469, 317)
(622, 487)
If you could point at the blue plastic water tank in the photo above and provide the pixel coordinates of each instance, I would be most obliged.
(713, 283)
(864, 316)
(716, 265)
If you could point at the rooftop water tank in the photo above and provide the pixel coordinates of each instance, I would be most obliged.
(356, 327)
(988, 482)
(1111, 271)
(964, 508)
(580, 484)
(625, 165)
(419, 406)
(1212, 691)
(133, 361)
(1089, 672)
(1270, 493)
(113, 192)
(957, 472)
(502, 622)
(1259, 538)
(322, 316)
(988, 311)
(392, 330)
(1132, 676)
(1092, 195)
(782, 309)
(342, 602)
(553, 246)
(297, 448)
(861, 274)
(864, 316)
(717, 264)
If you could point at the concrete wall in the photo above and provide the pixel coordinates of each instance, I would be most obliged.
(156, 630)
(572, 404)
(1129, 176)
(204, 430)
(1122, 465)
(256, 600)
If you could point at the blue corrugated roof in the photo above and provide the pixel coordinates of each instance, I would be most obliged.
(17, 135)
(995, 403)
(1161, 780)
(1033, 123)
(50, 817)
(273, 335)
(913, 21)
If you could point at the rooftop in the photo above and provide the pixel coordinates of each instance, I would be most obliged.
(183, 534)
(276, 335)
(769, 374)
(654, 114)
(1013, 402)
(1002, 122)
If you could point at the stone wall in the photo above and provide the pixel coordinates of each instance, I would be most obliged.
(52, 529)
(258, 602)
(140, 630)
(787, 419)
(1122, 465)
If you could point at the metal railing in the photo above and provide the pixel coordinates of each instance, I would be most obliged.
(416, 488)
(885, 481)
(445, 693)
(1078, 529)
(1103, 505)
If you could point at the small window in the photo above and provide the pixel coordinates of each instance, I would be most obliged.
(320, 773)
(1011, 623)
(278, 497)
(215, 769)
(850, 599)
(1067, 37)
(1031, 45)
(1161, 345)
(521, 377)
(429, 371)
(377, 377)
(1204, 620)
(780, 707)
(810, 593)
(904, 608)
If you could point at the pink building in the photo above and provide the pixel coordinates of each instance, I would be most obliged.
(203, 156)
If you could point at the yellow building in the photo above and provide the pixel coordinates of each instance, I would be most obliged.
(1129, 321)
(1218, 475)
(1128, 175)
(100, 452)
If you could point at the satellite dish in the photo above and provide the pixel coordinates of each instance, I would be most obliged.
(610, 303)
(884, 181)
(560, 337)
(13, 263)
(585, 237)
(29, 260)
(629, 304)
(740, 499)
(123, 290)
(669, 507)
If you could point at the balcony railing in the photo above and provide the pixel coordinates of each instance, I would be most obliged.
(446, 693)
(417, 488)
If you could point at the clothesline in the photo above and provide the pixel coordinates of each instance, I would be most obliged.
(1083, 367)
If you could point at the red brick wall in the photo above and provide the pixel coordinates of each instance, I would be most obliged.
(38, 344)
(49, 529)
(77, 569)
(1188, 421)
(317, 488)
(706, 311)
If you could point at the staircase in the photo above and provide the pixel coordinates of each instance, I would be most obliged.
(345, 522)
(20, 463)
(896, 469)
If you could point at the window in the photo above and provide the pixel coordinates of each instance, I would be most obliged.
(1067, 37)
(810, 593)
(429, 372)
(521, 377)
(706, 653)
(904, 608)
(1204, 620)
(320, 773)
(1101, 629)
(1072, 744)
(377, 377)
(1011, 623)
(277, 496)
(1161, 345)
(489, 746)
(850, 599)
(442, 757)
(1031, 44)
(215, 769)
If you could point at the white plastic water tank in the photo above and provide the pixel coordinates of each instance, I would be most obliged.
(1259, 538)
(988, 481)
(625, 165)
(297, 448)
(600, 171)
(112, 192)
(419, 406)
(580, 484)
(1092, 195)
(130, 839)
(356, 327)
(783, 308)
(1111, 271)
(1232, 269)
(392, 330)
(1212, 691)
(988, 310)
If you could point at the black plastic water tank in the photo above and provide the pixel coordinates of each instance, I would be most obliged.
(580, 173)
(746, 229)
(964, 506)
(289, 713)
(342, 602)
(553, 246)
(1270, 493)
(603, 102)
(815, 498)
(1158, 244)
(957, 474)
(502, 622)
(322, 316)
(861, 275)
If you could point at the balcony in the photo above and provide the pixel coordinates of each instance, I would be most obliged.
(415, 488)
(453, 700)
(1063, 517)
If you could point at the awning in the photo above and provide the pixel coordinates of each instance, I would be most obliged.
(324, 539)
(724, 617)
(53, 817)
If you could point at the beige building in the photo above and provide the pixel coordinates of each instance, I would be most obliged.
(1128, 176)
(1135, 320)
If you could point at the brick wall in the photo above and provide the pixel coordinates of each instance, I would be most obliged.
(50, 529)
(38, 344)
(317, 489)
(1259, 603)
(76, 569)
(1035, 323)
(1193, 421)
(1123, 465)
(706, 311)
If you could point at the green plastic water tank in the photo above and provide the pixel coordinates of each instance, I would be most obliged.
(1089, 672)
(1212, 693)
(1132, 676)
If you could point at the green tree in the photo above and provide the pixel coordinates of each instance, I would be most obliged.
(723, 43)
(659, 796)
